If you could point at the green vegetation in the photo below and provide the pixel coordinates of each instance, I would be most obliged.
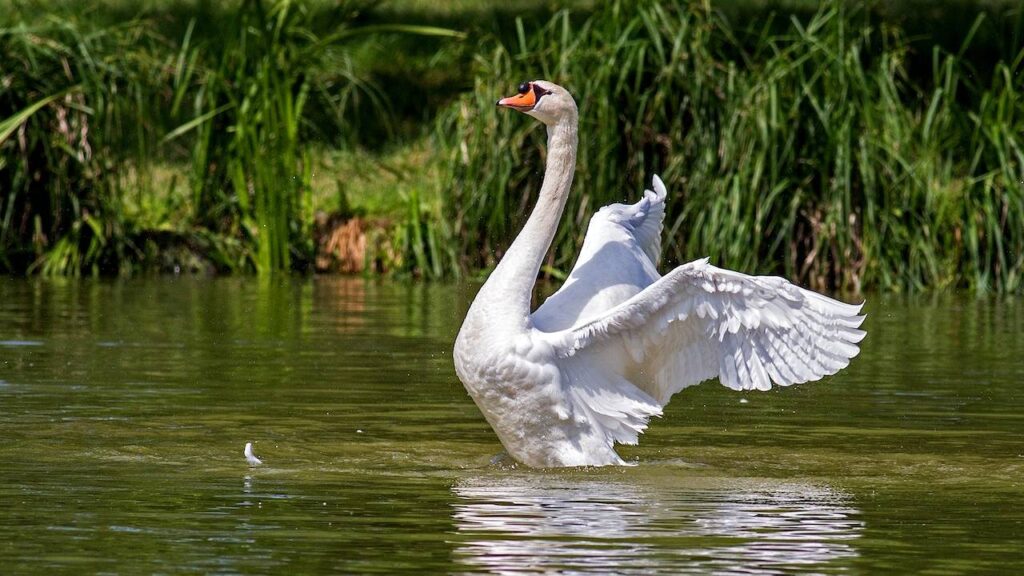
(812, 150)
(842, 147)
(126, 149)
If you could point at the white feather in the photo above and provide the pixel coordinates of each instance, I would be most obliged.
(249, 456)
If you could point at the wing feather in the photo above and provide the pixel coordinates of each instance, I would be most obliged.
(700, 321)
(618, 259)
(648, 220)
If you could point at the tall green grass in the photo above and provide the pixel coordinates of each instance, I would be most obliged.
(250, 174)
(89, 111)
(250, 90)
(808, 152)
(827, 146)
(74, 109)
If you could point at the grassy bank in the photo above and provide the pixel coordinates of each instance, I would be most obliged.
(842, 147)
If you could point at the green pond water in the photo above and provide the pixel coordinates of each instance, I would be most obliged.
(125, 406)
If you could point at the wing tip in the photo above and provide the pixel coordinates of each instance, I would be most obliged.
(659, 187)
(855, 335)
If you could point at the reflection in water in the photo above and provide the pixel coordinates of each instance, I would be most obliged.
(568, 524)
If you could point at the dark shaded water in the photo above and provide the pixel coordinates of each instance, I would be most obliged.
(124, 408)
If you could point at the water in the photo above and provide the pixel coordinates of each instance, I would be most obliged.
(125, 406)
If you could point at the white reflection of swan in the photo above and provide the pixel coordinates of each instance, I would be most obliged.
(572, 525)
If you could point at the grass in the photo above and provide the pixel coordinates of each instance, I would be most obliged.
(65, 139)
(841, 146)
(813, 154)
(237, 103)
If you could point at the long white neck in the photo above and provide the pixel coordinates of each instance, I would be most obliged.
(509, 289)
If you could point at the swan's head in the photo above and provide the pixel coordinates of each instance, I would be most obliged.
(543, 100)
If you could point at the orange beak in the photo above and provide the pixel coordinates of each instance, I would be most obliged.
(521, 102)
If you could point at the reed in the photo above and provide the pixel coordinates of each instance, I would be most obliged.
(250, 174)
(252, 154)
(808, 152)
(241, 98)
(74, 110)
(833, 147)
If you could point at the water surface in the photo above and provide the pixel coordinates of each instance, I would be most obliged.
(124, 408)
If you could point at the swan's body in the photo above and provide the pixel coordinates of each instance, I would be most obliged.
(561, 385)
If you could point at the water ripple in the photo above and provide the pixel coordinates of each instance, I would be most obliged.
(20, 343)
(515, 525)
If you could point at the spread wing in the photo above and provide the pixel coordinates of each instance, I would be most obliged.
(618, 259)
(700, 321)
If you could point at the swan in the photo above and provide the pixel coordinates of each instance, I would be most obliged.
(562, 385)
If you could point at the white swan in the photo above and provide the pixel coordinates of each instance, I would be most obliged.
(560, 386)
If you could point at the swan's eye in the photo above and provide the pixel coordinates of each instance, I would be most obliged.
(524, 87)
(538, 91)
